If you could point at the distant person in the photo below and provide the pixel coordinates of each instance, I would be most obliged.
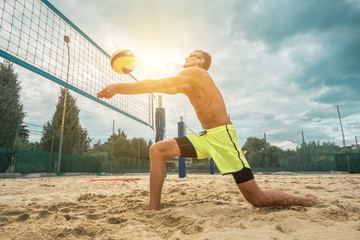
(218, 140)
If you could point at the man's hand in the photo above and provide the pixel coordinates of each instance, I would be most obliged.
(108, 92)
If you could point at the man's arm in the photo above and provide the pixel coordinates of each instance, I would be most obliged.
(170, 85)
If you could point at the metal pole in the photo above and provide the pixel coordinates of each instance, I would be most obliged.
(112, 142)
(67, 40)
(138, 154)
(266, 158)
(342, 130)
(78, 151)
(357, 147)
(13, 159)
(304, 145)
(52, 149)
(160, 124)
(182, 160)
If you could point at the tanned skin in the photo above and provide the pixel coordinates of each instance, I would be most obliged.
(195, 82)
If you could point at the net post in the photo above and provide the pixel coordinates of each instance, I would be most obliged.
(160, 121)
(13, 151)
(212, 167)
(67, 40)
(182, 160)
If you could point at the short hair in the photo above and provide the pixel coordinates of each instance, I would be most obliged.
(206, 57)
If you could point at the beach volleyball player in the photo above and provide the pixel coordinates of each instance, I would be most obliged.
(218, 140)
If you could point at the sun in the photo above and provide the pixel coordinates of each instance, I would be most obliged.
(156, 63)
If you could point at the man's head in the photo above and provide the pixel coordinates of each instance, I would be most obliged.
(198, 58)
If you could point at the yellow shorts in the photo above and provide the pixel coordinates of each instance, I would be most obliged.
(221, 144)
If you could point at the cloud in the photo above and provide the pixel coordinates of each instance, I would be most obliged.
(282, 66)
(318, 45)
(276, 21)
(322, 38)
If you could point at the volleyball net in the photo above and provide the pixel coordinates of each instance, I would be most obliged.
(32, 36)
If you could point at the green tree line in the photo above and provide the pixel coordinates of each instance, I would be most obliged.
(119, 145)
(261, 153)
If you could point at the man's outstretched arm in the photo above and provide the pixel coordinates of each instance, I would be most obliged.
(170, 85)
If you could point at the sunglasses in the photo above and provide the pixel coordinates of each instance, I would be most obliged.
(194, 55)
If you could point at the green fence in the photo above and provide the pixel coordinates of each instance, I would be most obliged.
(348, 162)
(27, 161)
(311, 166)
(36, 162)
(4, 159)
(326, 162)
(32, 162)
(126, 165)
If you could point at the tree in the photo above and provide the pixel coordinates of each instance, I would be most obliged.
(119, 146)
(254, 159)
(11, 109)
(76, 139)
(254, 151)
(141, 147)
(315, 151)
(274, 155)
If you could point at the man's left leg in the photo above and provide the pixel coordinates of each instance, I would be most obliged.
(158, 153)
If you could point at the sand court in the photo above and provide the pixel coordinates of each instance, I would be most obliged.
(197, 207)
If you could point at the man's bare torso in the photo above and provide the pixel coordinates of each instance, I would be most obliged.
(207, 101)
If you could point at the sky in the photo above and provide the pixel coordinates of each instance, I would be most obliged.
(283, 67)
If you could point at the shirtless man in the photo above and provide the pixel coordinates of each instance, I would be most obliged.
(218, 140)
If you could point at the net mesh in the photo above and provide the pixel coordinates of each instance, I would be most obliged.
(32, 34)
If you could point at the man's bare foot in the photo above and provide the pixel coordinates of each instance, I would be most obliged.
(313, 200)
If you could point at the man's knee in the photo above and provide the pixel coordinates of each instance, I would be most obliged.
(253, 194)
(257, 201)
(154, 150)
(164, 149)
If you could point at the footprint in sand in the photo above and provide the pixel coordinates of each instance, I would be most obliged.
(90, 196)
(116, 220)
(347, 196)
(314, 187)
(67, 217)
(12, 213)
(23, 217)
(95, 216)
(4, 221)
(43, 214)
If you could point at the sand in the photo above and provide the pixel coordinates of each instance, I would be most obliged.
(197, 207)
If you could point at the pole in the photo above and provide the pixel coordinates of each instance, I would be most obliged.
(266, 158)
(357, 146)
(138, 154)
(160, 124)
(212, 166)
(304, 144)
(112, 143)
(13, 159)
(79, 141)
(67, 40)
(342, 130)
(182, 160)
(52, 149)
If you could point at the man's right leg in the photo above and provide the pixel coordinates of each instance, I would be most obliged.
(266, 198)
(158, 153)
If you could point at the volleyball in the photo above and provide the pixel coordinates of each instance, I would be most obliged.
(123, 61)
